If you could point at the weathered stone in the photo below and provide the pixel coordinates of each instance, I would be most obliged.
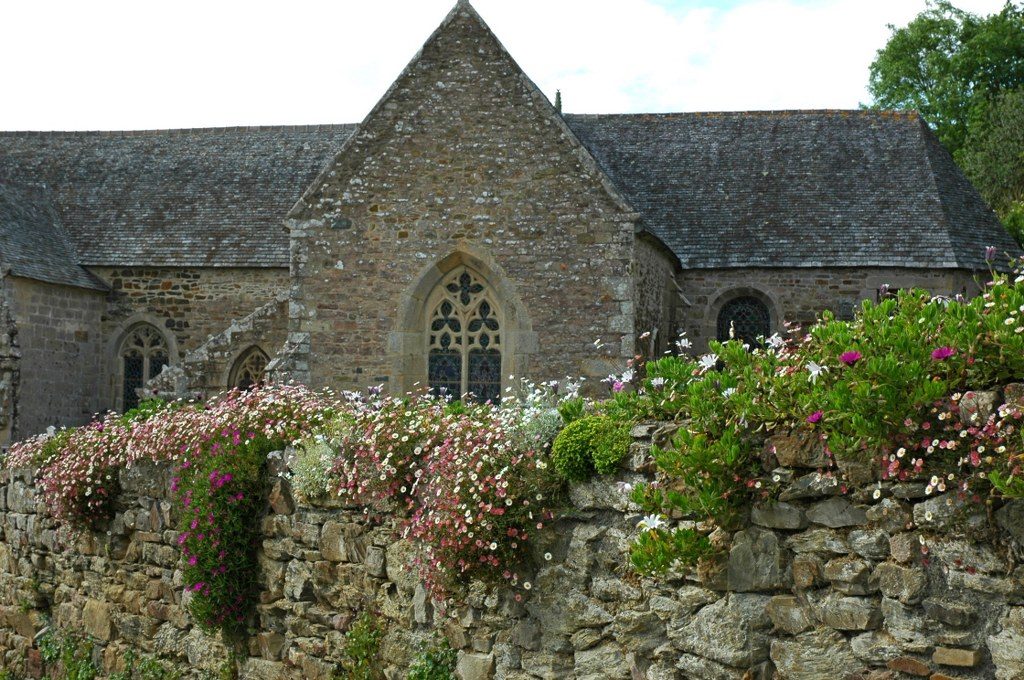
(951, 613)
(976, 407)
(788, 615)
(909, 491)
(96, 619)
(281, 499)
(813, 656)
(851, 576)
(757, 561)
(808, 572)
(298, 581)
(906, 584)
(875, 647)
(731, 631)
(870, 543)
(818, 541)
(813, 485)
(939, 512)
(474, 666)
(910, 666)
(797, 451)
(904, 547)
(692, 598)
(606, 661)
(271, 645)
(848, 613)
(694, 666)
(836, 513)
(778, 516)
(1010, 519)
(906, 625)
(376, 562)
(889, 515)
(1007, 646)
(948, 656)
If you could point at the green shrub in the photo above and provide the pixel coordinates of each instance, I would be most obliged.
(592, 443)
(362, 650)
(433, 663)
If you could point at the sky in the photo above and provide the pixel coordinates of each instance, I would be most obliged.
(148, 64)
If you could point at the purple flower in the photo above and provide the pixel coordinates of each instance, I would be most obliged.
(815, 417)
(941, 353)
(618, 386)
(851, 357)
(990, 253)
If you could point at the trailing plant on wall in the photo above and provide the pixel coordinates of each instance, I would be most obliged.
(885, 390)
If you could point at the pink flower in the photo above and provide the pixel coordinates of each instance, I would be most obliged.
(815, 417)
(851, 357)
(942, 353)
(618, 386)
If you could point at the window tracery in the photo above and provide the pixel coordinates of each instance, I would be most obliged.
(143, 356)
(745, 318)
(464, 339)
(248, 369)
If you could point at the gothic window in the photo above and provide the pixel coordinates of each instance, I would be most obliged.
(464, 339)
(248, 369)
(744, 318)
(143, 355)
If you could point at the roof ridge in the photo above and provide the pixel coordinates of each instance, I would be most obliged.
(877, 113)
(320, 127)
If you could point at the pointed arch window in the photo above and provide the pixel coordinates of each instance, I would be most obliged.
(745, 318)
(464, 338)
(143, 355)
(248, 369)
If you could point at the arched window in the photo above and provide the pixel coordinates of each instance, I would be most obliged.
(744, 318)
(143, 355)
(464, 338)
(248, 369)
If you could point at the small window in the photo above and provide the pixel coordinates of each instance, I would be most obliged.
(248, 369)
(464, 340)
(744, 318)
(143, 356)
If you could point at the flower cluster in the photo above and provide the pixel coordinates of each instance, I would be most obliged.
(887, 388)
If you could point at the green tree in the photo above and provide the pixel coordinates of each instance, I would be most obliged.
(949, 65)
(993, 158)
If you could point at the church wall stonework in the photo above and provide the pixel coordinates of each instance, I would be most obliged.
(463, 162)
(10, 367)
(61, 347)
(883, 578)
(800, 295)
(654, 270)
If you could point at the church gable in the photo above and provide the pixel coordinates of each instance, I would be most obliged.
(462, 161)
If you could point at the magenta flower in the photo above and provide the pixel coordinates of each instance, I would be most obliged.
(942, 353)
(618, 386)
(851, 357)
(815, 417)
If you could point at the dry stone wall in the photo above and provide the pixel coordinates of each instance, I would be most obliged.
(882, 582)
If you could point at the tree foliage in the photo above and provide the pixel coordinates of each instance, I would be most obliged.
(993, 158)
(949, 65)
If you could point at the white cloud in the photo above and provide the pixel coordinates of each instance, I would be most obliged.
(109, 65)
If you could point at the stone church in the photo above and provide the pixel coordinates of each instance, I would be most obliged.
(464, 232)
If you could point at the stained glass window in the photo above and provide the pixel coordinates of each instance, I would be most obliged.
(248, 369)
(464, 339)
(143, 355)
(744, 318)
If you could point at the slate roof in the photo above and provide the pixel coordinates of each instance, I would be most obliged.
(748, 189)
(32, 242)
(207, 197)
(796, 188)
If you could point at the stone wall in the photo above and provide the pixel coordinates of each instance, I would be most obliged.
(61, 350)
(206, 370)
(654, 271)
(464, 162)
(10, 366)
(800, 295)
(884, 582)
